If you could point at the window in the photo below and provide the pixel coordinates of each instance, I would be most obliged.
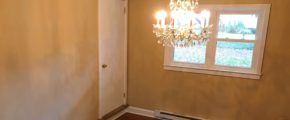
(236, 44)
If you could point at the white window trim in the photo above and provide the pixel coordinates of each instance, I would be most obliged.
(209, 67)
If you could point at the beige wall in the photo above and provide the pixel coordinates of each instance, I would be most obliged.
(48, 60)
(214, 97)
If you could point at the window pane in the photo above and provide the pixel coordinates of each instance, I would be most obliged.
(238, 26)
(234, 54)
(194, 54)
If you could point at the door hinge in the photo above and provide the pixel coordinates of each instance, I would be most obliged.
(124, 10)
(124, 95)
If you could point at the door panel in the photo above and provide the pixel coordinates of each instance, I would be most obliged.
(112, 46)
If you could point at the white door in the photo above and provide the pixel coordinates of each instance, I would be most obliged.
(112, 54)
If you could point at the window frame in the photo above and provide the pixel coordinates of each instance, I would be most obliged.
(262, 10)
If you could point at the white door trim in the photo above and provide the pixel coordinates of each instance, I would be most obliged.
(125, 57)
(126, 51)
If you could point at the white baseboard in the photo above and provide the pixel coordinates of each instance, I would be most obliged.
(140, 111)
(118, 115)
(134, 110)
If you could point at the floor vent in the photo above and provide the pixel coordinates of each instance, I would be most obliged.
(171, 116)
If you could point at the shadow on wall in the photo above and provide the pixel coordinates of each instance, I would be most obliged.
(48, 60)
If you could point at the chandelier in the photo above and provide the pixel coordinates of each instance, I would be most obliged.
(185, 27)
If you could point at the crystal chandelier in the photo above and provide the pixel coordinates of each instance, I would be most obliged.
(185, 28)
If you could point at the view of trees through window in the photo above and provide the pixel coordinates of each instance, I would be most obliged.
(228, 52)
(236, 26)
(234, 54)
(194, 54)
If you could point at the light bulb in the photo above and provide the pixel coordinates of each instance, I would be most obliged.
(205, 13)
(161, 14)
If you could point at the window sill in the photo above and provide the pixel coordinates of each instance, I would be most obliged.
(214, 72)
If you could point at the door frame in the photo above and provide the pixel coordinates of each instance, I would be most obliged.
(126, 11)
(125, 59)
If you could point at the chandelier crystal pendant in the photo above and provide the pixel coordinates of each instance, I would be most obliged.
(185, 28)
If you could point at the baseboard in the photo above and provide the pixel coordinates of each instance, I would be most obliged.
(140, 111)
(133, 110)
(153, 114)
(115, 112)
(117, 115)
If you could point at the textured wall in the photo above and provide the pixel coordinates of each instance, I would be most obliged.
(48, 60)
(214, 97)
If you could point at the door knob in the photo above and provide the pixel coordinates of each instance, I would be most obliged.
(104, 66)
